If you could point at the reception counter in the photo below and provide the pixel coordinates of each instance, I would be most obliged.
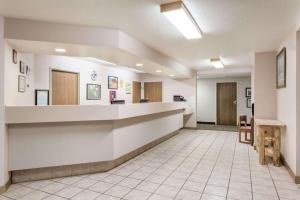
(55, 141)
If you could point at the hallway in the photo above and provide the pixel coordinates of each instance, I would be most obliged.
(206, 165)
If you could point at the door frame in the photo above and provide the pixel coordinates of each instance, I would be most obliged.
(236, 105)
(51, 69)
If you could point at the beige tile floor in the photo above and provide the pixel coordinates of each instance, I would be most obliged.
(206, 165)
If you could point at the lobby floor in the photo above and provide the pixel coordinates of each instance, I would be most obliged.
(196, 164)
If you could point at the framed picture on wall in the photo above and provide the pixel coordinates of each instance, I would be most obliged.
(22, 67)
(93, 92)
(14, 56)
(281, 69)
(21, 83)
(42, 97)
(248, 92)
(249, 104)
(112, 82)
(112, 95)
(128, 88)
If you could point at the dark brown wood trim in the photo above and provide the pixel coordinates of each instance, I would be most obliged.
(85, 168)
(212, 123)
(6, 186)
(292, 174)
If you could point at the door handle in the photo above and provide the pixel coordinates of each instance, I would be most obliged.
(234, 102)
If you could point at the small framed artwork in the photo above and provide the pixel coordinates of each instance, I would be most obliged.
(22, 67)
(93, 92)
(112, 82)
(112, 95)
(249, 104)
(281, 69)
(27, 70)
(21, 83)
(248, 92)
(42, 97)
(128, 88)
(14, 56)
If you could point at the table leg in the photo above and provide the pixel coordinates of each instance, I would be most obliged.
(277, 143)
(261, 143)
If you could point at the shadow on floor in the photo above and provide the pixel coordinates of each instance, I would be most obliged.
(216, 127)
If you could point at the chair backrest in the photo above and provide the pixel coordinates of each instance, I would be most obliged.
(243, 120)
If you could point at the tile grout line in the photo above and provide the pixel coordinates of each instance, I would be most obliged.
(213, 167)
(197, 166)
(233, 157)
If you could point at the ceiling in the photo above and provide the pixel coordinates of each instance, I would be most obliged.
(233, 29)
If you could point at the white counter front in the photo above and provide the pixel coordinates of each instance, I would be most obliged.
(41, 137)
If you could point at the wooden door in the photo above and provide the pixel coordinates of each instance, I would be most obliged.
(153, 91)
(136, 92)
(226, 104)
(64, 88)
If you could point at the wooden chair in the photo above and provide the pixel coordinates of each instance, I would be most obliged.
(244, 128)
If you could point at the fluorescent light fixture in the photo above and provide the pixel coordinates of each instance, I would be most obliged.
(60, 50)
(171, 75)
(178, 14)
(158, 71)
(139, 64)
(217, 63)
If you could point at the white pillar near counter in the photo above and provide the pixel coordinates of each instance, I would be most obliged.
(4, 175)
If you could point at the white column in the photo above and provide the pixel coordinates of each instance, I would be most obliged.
(4, 176)
(297, 173)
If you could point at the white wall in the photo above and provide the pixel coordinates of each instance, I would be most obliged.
(40, 77)
(265, 85)
(184, 87)
(4, 176)
(43, 63)
(12, 71)
(286, 102)
(207, 97)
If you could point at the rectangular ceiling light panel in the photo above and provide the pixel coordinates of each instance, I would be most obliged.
(180, 17)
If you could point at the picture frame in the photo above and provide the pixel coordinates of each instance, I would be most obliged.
(22, 67)
(14, 56)
(112, 82)
(27, 70)
(93, 92)
(128, 88)
(112, 95)
(248, 92)
(21, 83)
(41, 97)
(281, 69)
(249, 103)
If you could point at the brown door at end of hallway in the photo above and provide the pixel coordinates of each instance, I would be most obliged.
(226, 103)
(153, 91)
(136, 92)
(64, 88)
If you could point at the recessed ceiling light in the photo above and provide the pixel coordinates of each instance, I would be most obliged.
(217, 63)
(172, 75)
(139, 64)
(158, 71)
(178, 14)
(60, 50)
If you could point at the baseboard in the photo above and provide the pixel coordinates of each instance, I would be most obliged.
(190, 128)
(81, 169)
(6, 186)
(212, 123)
(292, 174)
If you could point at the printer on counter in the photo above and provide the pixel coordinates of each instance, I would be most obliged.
(178, 98)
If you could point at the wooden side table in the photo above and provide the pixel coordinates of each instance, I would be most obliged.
(268, 131)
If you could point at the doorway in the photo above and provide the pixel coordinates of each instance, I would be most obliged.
(153, 91)
(227, 104)
(64, 87)
(136, 92)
